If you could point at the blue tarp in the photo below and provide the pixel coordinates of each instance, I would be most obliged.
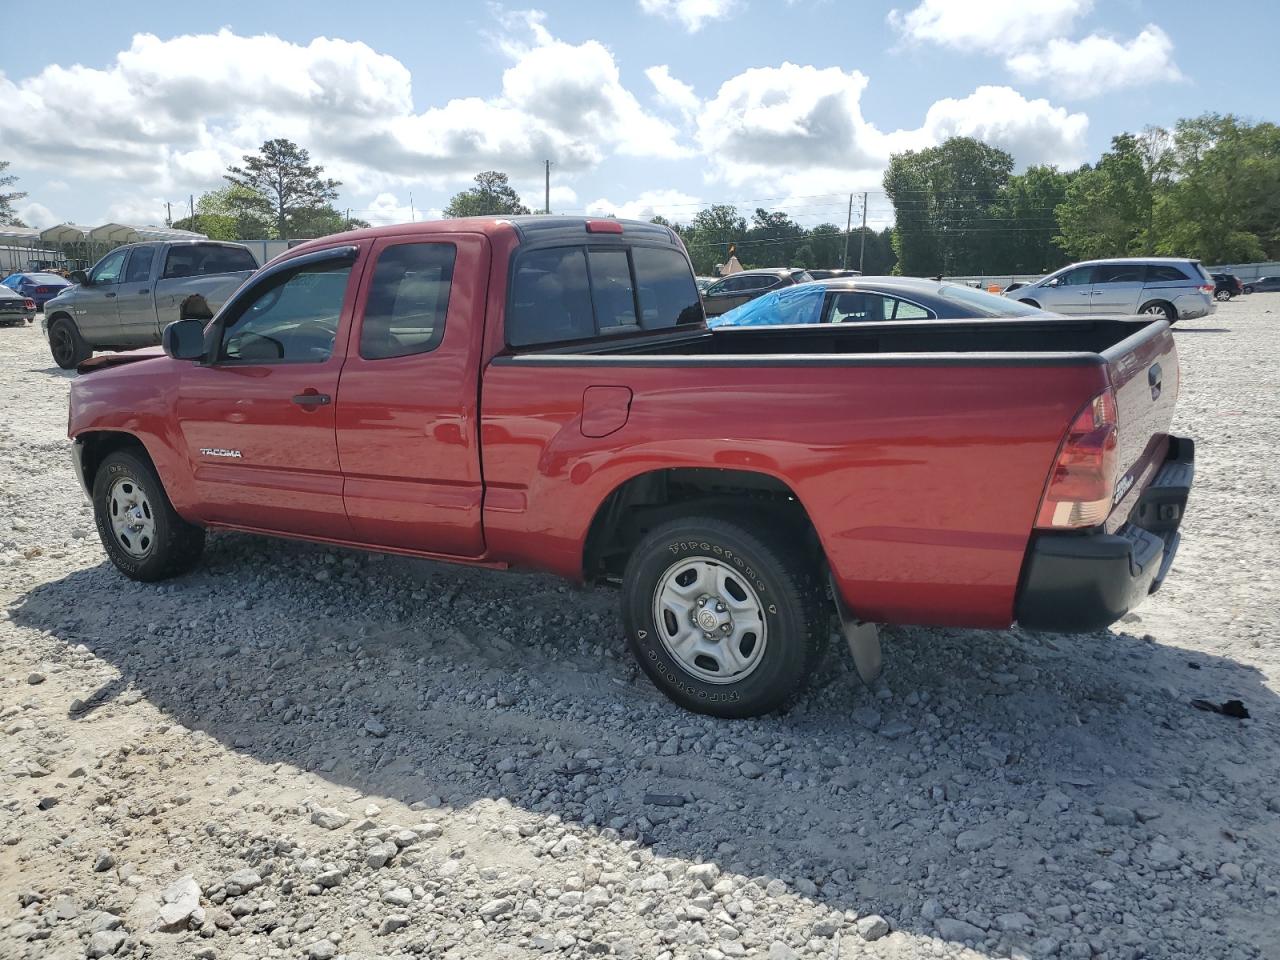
(801, 303)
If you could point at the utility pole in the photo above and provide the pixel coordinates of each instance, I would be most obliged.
(848, 225)
(546, 205)
(862, 249)
(347, 225)
(412, 216)
(191, 203)
(168, 214)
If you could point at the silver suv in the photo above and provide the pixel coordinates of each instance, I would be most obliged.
(1161, 286)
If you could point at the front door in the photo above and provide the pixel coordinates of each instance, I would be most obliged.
(1117, 287)
(136, 302)
(408, 413)
(96, 313)
(1070, 294)
(257, 419)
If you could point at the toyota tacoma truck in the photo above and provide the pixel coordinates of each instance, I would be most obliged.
(543, 392)
(134, 292)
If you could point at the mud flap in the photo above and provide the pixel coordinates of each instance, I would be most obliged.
(863, 639)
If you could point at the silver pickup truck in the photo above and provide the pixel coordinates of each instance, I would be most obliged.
(135, 291)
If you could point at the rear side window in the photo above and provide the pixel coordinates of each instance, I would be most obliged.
(201, 259)
(408, 300)
(1165, 273)
(575, 293)
(1119, 273)
(139, 269)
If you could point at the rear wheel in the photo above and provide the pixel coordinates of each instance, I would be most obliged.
(143, 535)
(724, 620)
(67, 346)
(1159, 308)
(1248, 289)
(1222, 296)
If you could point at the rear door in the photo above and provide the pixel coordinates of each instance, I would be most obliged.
(1117, 287)
(258, 418)
(136, 302)
(408, 397)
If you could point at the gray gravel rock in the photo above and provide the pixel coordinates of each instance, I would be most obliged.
(950, 928)
(180, 905)
(105, 943)
(329, 818)
(872, 927)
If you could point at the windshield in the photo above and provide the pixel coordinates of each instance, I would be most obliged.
(987, 304)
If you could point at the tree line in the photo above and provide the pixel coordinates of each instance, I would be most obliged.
(1209, 188)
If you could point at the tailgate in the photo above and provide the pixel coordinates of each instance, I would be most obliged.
(1143, 371)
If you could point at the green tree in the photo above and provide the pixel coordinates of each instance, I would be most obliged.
(7, 214)
(942, 198)
(771, 240)
(1107, 211)
(1028, 225)
(232, 213)
(1222, 203)
(283, 187)
(709, 235)
(491, 196)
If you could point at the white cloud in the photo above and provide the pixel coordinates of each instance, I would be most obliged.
(672, 204)
(800, 129)
(1097, 64)
(169, 115)
(37, 215)
(562, 197)
(987, 25)
(672, 92)
(693, 14)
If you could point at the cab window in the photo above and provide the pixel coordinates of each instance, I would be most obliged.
(110, 268)
(293, 318)
(408, 299)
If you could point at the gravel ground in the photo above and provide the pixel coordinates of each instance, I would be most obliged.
(310, 753)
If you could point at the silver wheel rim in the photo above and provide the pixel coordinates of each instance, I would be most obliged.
(1155, 310)
(132, 521)
(710, 619)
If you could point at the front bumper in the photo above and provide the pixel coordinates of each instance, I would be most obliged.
(1073, 583)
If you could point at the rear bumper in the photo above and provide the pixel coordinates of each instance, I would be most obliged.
(1072, 583)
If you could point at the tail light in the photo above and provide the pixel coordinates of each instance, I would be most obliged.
(29, 304)
(1082, 483)
(1206, 288)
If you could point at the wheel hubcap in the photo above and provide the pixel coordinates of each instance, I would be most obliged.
(710, 619)
(132, 522)
(1155, 311)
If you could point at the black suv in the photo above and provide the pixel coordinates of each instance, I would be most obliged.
(737, 288)
(1226, 286)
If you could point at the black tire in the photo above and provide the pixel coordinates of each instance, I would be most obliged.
(67, 346)
(175, 546)
(1248, 289)
(785, 581)
(1030, 303)
(1222, 296)
(1166, 308)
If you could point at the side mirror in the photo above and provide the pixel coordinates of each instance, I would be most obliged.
(80, 277)
(184, 339)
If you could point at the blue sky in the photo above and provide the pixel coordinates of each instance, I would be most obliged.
(643, 105)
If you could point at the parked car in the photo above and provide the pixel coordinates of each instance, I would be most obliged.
(871, 300)
(40, 287)
(1226, 286)
(15, 309)
(133, 292)
(737, 288)
(1159, 286)
(1262, 285)
(833, 274)
(704, 282)
(542, 392)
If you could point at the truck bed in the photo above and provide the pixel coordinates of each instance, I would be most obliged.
(1016, 341)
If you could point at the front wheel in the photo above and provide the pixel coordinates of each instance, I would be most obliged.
(1248, 289)
(1222, 296)
(67, 346)
(143, 535)
(725, 620)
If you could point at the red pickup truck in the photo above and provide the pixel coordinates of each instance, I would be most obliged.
(543, 392)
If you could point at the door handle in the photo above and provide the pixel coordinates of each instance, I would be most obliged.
(110, 295)
(1086, 293)
(143, 293)
(312, 399)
